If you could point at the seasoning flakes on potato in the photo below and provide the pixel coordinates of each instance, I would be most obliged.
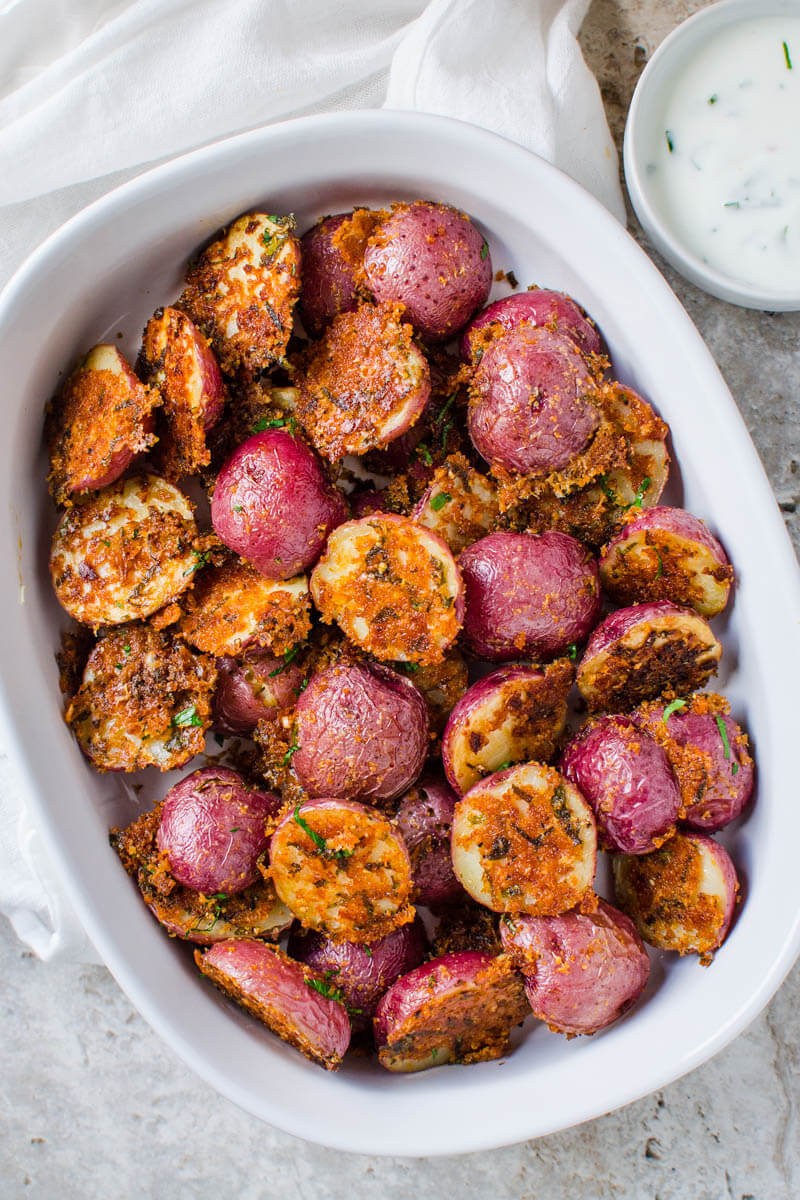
(233, 607)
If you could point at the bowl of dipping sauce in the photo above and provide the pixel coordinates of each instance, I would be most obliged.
(712, 151)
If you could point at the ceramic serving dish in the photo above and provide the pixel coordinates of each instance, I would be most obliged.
(100, 277)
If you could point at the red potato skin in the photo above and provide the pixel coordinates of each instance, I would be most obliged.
(424, 819)
(274, 506)
(367, 503)
(329, 280)
(361, 972)
(362, 730)
(539, 306)
(527, 596)
(256, 687)
(582, 971)
(431, 258)
(277, 990)
(626, 778)
(725, 794)
(531, 401)
(212, 830)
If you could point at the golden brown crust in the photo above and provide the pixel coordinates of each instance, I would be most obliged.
(144, 700)
(242, 291)
(462, 506)
(659, 564)
(467, 925)
(442, 685)
(351, 238)
(233, 606)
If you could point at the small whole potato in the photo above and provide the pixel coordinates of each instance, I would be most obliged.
(431, 259)
(582, 971)
(329, 275)
(528, 596)
(256, 687)
(537, 306)
(273, 504)
(362, 733)
(626, 778)
(424, 818)
(532, 401)
(213, 830)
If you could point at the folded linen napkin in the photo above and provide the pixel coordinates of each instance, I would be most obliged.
(91, 93)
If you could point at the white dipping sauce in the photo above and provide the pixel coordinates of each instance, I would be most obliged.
(724, 168)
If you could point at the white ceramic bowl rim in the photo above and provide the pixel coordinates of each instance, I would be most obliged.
(492, 1104)
(679, 44)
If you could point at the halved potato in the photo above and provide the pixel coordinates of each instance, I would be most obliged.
(234, 606)
(460, 505)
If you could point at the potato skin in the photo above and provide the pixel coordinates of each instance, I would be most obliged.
(362, 732)
(329, 277)
(538, 306)
(680, 897)
(626, 778)
(582, 971)
(715, 778)
(432, 259)
(273, 505)
(532, 402)
(256, 687)
(102, 418)
(280, 992)
(213, 829)
(459, 1007)
(425, 818)
(514, 714)
(361, 973)
(527, 595)
(667, 553)
(644, 651)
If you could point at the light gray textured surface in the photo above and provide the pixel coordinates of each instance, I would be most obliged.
(93, 1105)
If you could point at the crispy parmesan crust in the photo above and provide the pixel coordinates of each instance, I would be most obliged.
(101, 418)
(392, 587)
(125, 553)
(465, 1020)
(255, 911)
(234, 606)
(461, 505)
(354, 888)
(242, 291)
(363, 384)
(144, 700)
(272, 1016)
(467, 926)
(442, 685)
(659, 564)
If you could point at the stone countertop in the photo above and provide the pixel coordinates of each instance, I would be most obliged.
(92, 1104)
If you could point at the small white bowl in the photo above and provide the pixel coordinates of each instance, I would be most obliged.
(646, 110)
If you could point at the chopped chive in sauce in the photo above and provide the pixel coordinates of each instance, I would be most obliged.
(713, 99)
(439, 500)
(731, 204)
(670, 142)
(787, 56)
(672, 707)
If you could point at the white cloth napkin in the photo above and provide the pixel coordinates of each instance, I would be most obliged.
(92, 91)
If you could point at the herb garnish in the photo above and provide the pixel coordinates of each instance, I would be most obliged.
(410, 667)
(317, 838)
(731, 204)
(287, 658)
(672, 707)
(786, 56)
(439, 500)
(327, 990)
(274, 423)
(660, 570)
(287, 758)
(572, 651)
(640, 494)
(670, 143)
(713, 99)
(505, 765)
(485, 246)
(424, 454)
(723, 733)
(201, 557)
(187, 716)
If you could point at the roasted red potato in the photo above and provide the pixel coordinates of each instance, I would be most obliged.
(242, 290)
(626, 778)
(256, 687)
(528, 596)
(459, 1008)
(330, 284)
(641, 480)
(524, 840)
(176, 359)
(212, 830)
(100, 420)
(274, 505)
(441, 684)
(425, 818)
(682, 896)
(645, 651)
(582, 971)
(357, 975)
(515, 714)
(286, 996)
(392, 587)
(460, 505)
(342, 869)
(532, 401)
(537, 306)
(431, 259)
(125, 553)
(144, 700)
(361, 732)
(709, 754)
(363, 384)
(199, 917)
(234, 607)
(667, 554)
